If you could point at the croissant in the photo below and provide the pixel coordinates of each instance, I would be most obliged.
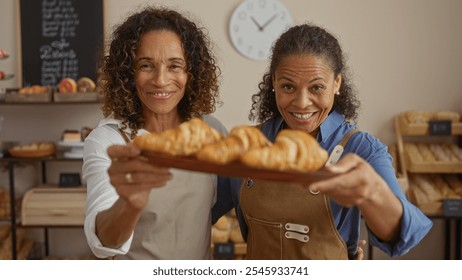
(185, 140)
(293, 150)
(240, 139)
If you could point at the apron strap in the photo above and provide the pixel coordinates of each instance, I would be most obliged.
(347, 137)
(124, 136)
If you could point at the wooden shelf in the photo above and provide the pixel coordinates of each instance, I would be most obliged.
(403, 129)
(413, 129)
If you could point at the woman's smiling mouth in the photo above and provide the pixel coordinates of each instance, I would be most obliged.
(302, 116)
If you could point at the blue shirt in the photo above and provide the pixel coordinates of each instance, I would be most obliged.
(414, 224)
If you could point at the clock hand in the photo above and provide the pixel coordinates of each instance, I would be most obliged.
(268, 22)
(256, 23)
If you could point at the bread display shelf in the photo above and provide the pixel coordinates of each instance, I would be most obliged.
(417, 129)
(48, 206)
(234, 169)
(60, 97)
(405, 130)
(239, 248)
(16, 97)
(434, 167)
(40, 150)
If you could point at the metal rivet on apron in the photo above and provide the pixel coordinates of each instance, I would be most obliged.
(297, 236)
(297, 227)
(249, 183)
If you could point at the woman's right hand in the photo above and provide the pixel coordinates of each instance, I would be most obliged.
(133, 176)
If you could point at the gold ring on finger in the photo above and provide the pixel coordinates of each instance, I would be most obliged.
(128, 178)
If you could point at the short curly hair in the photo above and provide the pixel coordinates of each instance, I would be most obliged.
(117, 67)
(305, 39)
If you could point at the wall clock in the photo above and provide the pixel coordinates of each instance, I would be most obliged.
(256, 24)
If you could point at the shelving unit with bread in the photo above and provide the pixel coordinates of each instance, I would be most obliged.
(227, 237)
(45, 206)
(430, 157)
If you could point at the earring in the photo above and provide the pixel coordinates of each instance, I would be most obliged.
(337, 93)
(272, 90)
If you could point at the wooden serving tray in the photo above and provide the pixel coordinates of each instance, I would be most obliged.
(235, 169)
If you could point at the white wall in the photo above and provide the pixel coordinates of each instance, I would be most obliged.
(405, 54)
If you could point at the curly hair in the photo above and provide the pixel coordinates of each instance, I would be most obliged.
(117, 67)
(312, 40)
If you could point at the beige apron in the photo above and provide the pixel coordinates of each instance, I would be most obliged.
(286, 221)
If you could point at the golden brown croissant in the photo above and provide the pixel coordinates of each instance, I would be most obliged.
(292, 150)
(240, 139)
(185, 140)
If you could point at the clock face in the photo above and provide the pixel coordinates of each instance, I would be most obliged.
(256, 24)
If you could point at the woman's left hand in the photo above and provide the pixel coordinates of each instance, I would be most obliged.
(355, 181)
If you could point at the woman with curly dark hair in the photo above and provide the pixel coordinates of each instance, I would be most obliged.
(307, 88)
(158, 73)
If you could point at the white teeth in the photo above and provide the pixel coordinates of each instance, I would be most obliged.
(302, 116)
(161, 94)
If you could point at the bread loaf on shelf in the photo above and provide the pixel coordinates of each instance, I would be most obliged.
(413, 152)
(433, 152)
(221, 230)
(429, 188)
(454, 183)
(420, 117)
(426, 153)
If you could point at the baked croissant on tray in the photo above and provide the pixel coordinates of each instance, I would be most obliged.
(293, 150)
(239, 140)
(185, 140)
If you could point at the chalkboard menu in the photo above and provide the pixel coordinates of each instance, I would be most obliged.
(59, 39)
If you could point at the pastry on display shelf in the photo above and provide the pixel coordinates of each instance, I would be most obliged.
(85, 84)
(71, 136)
(35, 89)
(67, 85)
(33, 150)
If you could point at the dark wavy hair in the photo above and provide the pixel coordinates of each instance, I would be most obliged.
(312, 40)
(117, 67)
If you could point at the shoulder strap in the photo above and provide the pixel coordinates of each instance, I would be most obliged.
(338, 150)
(124, 136)
(347, 137)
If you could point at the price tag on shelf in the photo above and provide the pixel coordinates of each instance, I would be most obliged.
(223, 250)
(452, 207)
(439, 128)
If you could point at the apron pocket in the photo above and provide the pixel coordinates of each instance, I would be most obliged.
(266, 239)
